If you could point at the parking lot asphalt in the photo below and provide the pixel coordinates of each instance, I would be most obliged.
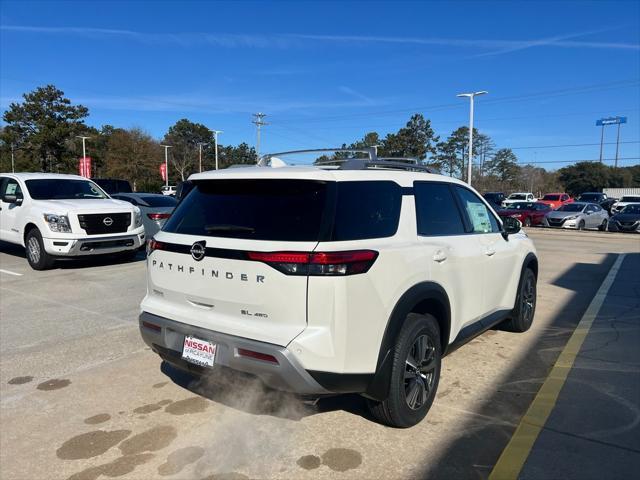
(82, 397)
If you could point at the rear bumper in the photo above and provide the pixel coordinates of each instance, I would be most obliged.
(287, 375)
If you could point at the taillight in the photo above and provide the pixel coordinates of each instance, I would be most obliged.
(318, 263)
(158, 216)
(257, 355)
(153, 245)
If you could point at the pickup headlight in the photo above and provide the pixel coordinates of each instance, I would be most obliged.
(137, 217)
(57, 223)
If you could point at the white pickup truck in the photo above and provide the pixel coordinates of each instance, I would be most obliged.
(518, 197)
(54, 215)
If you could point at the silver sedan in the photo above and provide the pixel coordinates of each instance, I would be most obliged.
(155, 208)
(578, 215)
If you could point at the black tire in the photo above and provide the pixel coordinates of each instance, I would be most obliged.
(525, 307)
(581, 225)
(37, 257)
(527, 222)
(603, 227)
(415, 373)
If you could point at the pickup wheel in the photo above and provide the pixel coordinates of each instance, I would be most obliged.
(525, 307)
(37, 257)
(415, 373)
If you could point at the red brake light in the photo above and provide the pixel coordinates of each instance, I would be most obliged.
(154, 245)
(257, 355)
(318, 263)
(158, 216)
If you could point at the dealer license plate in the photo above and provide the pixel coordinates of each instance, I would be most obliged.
(199, 351)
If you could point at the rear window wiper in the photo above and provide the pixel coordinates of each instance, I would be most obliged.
(228, 228)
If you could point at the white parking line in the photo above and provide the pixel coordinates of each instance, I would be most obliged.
(2, 270)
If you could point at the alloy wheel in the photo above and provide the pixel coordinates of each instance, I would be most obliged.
(33, 250)
(528, 299)
(419, 374)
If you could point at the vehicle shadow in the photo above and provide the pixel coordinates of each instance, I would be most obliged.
(472, 453)
(76, 262)
(248, 394)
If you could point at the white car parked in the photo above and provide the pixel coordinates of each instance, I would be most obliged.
(518, 197)
(623, 202)
(54, 215)
(350, 279)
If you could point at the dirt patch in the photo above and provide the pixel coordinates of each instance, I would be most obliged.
(165, 402)
(100, 418)
(119, 467)
(154, 439)
(179, 459)
(309, 462)
(160, 385)
(20, 380)
(91, 444)
(341, 459)
(54, 384)
(187, 406)
(227, 476)
(152, 407)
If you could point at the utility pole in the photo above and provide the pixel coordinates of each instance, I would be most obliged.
(215, 138)
(258, 123)
(13, 163)
(617, 145)
(601, 142)
(200, 144)
(166, 164)
(471, 97)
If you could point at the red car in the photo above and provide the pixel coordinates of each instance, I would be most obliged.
(529, 213)
(555, 200)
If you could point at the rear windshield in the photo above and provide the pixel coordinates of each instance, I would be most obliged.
(633, 208)
(160, 201)
(590, 197)
(628, 198)
(56, 189)
(289, 210)
(572, 207)
(522, 206)
(517, 196)
(551, 197)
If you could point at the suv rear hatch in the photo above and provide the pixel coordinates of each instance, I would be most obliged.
(208, 268)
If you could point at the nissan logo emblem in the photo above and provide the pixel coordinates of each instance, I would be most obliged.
(108, 221)
(198, 250)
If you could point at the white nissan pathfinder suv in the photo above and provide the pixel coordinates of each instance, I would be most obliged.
(54, 216)
(319, 281)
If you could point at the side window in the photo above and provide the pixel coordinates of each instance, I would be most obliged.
(366, 210)
(480, 218)
(11, 187)
(591, 208)
(565, 198)
(2, 182)
(436, 210)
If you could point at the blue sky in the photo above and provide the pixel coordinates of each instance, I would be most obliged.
(328, 72)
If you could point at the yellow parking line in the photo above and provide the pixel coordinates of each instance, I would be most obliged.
(517, 450)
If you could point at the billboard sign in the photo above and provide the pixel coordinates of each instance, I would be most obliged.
(611, 121)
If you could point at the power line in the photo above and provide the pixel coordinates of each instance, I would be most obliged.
(571, 145)
(542, 94)
(577, 161)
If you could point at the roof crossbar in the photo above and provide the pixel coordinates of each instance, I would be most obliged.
(263, 161)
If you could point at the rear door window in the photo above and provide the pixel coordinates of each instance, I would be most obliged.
(436, 210)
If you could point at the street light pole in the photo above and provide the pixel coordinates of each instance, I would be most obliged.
(601, 142)
(166, 164)
(617, 144)
(84, 149)
(471, 97)
(215, 138)
(13, 163)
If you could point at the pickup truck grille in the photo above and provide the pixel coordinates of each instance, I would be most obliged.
(100, 224)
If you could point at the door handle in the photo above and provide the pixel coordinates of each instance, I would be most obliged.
(439, 256)
(490, 252)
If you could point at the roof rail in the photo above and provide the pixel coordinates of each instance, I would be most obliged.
(384, 163)
(264, 160)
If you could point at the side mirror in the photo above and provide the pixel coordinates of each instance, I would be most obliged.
(510, 226)
(12, 199)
